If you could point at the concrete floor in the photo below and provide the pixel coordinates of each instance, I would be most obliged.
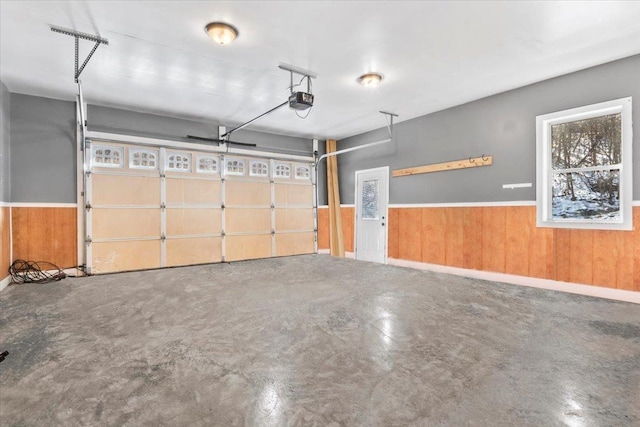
(313, 340)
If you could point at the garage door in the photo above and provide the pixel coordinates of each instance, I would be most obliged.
(150, 207)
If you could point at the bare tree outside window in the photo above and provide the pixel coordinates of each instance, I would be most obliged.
(586, 156)
(584, 169)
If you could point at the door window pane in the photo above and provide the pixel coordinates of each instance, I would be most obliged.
(370, 199)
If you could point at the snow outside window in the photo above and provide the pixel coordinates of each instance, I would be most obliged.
(584, 167)
(282, 170)
(207, 164)
(143, 159)
(235, 166)
(259, 168)
(179, 162)
(106, 156)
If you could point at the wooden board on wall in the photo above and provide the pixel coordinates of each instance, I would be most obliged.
(323, 228)
(110, 257)
(45, 234)
(193, 251)
(5, 242)
(506, 239)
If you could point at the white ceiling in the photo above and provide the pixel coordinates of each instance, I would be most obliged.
(433, 55)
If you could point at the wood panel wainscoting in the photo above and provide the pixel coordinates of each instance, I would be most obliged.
(45, 234)
(5, 242)
(505, 239)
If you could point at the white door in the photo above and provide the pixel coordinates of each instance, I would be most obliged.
(372, 198)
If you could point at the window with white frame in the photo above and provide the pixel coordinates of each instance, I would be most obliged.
(303, 172)
(259, 168)
(140, 158)
(107, 156)
(282, 170)
(207, 164)
(179, 162)
(234, 166)
(584, 168)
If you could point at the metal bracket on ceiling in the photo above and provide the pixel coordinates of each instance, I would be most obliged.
(389, 122)
(292, 69)
(84, 36)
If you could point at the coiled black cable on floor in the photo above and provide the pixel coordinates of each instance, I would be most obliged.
(35, 272)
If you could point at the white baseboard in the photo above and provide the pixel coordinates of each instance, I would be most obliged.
(4, 283)
(534, 282)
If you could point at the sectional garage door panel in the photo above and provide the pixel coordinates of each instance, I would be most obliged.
(189, 191)
(243, 193)
(110, 257)
(192, 221)
(151, 207)
(294, 243)
(125, 223)
(247, 247)
(293, 195)
(188, 251)
(247, 220)
(125, 190)
(294, 219)
(294, 213)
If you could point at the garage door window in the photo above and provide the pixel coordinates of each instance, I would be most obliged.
(180, 162)
(235, 166)
(303, 172)
(283, 170)
(259, 168)
(106, 156)
(208, 164)
(143, 159)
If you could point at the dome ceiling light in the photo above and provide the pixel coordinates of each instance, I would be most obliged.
(221, 33)
(370, 79)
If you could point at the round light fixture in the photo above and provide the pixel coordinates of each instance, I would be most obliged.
(370, 79)
(221, 33)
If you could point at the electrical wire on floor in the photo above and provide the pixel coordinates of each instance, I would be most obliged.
(35, 272)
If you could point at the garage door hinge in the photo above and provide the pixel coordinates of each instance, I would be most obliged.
(273, 232)
(222, 233)
(273, 206)
(88, 206)
(88, 240)
(163, 237)
(88, 173)
(163, 206)
(162, 175)
(222, 206)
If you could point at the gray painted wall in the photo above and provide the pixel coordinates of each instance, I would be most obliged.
(502, 125)
(5, 165)
(143, 124)
(43, 142)
(43, 150)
